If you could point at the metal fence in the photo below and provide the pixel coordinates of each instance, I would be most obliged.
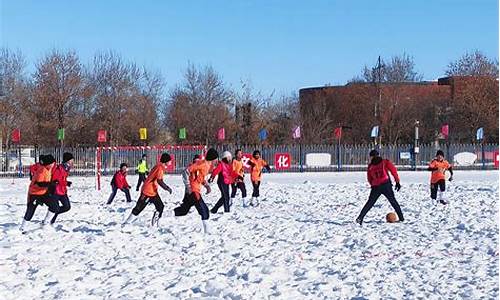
(15, 162)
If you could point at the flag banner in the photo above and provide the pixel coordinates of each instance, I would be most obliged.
(445, 130)
(60, 134)
(16, 136)
(480, 134)
(221, 134)
(262, 134)
(102, 136)
(182, 133)
(338, 133)
(143, 134)
(296, 133)
(374, 133)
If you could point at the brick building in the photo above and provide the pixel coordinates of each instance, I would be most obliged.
(464, 102)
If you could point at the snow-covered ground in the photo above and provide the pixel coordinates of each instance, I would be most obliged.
(301, 243)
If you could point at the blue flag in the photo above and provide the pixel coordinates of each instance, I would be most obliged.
(262, 134)
(374, 132)
(480, 134)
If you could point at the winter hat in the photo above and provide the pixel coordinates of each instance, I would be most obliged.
(41, 158)
(374, 153)
(123, 165)
(144, 156)
(48, 159)
(440, 152)
(196, 157)
(256, 152)
(67, 157)
(211, 154)
(227, 155)
(165, 158)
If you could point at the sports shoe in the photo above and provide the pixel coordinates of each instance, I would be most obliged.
(359, 221)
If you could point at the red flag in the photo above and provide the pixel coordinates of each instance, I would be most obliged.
(338, 133)
(16, 136)
(101, 136)
(445, 130)
(221, 134)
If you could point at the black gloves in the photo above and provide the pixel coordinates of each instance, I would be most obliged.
(451, 178)
(398, 186)
(268, 168)
(69, 183)
(147, 173)
(210, 180)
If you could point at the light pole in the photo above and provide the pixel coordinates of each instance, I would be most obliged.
(416, 149)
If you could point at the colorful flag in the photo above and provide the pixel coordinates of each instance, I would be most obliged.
(480, 134)
(221, 134)
(16, 136)
(296, 133)
(262, 134)
(60, 134)
(182, 133)
(445, 130)
(143, 133)
(338, 133)
(374, 133)
(101, 136)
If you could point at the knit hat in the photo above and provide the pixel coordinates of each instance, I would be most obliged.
(440, 152)
(256, 152)
(67, 157)
(196, 157)
(374, 153)
(48, 159)
(227, 155)
(211, 154)
(165, 158)
(41, 158)
(123, 165)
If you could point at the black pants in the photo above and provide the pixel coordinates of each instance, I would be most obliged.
(386, 190)
(34, 201)
(236, 186)
(441, 184)
(224, 198)
(144, 201)
(142, 178)
(113, 194)
(256, 186)
(190, 201)
(66, 206)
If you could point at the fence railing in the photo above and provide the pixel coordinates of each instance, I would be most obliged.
(15, 162)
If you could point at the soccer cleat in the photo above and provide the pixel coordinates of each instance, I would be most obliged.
(206, 229)
(443, 202)
(359, 221)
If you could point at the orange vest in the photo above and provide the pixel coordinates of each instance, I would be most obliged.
(197, 173)
(238, 167)
(256, 172)
(42, 174)
(441, 166)
(150, 187)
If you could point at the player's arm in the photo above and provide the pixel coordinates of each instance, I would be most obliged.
(164, 185)
(432, 167)
(450, 169)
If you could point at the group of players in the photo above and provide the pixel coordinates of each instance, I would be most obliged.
(49, 184)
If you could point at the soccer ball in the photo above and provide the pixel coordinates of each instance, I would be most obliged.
(391, 217)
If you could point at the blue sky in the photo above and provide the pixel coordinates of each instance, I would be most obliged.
(278, 45)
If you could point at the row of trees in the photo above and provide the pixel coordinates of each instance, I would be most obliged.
(121, 97)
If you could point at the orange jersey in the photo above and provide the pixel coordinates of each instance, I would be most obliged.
(238, 167)
(441, 166)
(42, 174)
(150, 187)
(256, 170)
(197, 173)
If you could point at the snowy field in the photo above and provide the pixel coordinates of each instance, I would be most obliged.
(301, 243)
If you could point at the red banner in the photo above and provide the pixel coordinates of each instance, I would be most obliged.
(246, 157)
(16, 136)
(445, 130)
(101, 136)
(338, 133)
(221, 134)
(282, 161)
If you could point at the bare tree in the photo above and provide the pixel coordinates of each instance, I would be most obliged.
(473, 63)
(400, 68)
